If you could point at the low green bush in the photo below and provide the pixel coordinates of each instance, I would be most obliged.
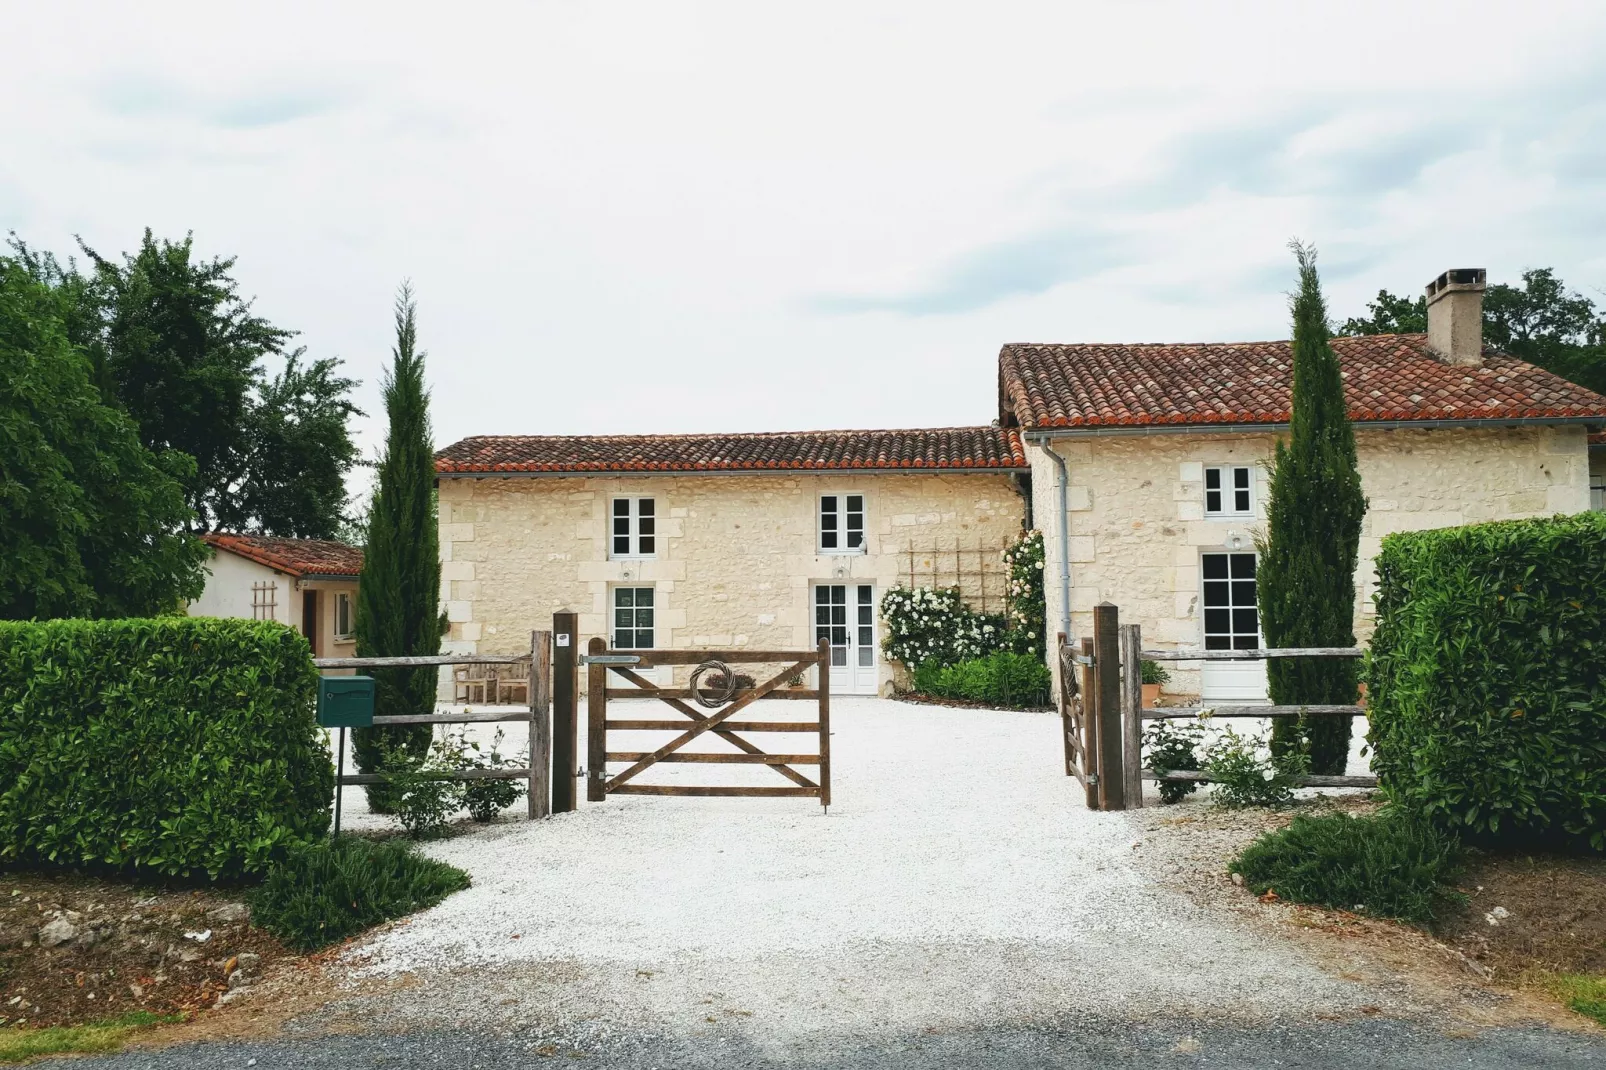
(172, 746)
(1247, 773)
(1391, 865)
(1002, 679)
(323, 892)
(1152, 672)
(1171, 745)
(1486, 679)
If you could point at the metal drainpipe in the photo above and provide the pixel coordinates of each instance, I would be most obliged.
(1062, 495)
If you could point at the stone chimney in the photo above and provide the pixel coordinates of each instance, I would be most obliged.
(1455, 316)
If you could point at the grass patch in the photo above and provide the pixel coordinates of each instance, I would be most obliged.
(1584, 994)
(1386, 865)
(326, 891)
(17, 1045)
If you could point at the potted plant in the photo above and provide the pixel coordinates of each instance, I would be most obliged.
(1154, 676)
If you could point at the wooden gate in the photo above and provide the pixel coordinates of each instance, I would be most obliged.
(719, 723)
(1076, 726)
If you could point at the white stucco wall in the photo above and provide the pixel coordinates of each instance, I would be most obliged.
(230, 578)
(1137, 523)
(736, 557)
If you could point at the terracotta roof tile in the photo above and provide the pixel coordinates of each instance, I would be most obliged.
(940, 448)
(295, 557)
(1387, 377)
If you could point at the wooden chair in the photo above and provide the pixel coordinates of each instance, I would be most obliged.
(471, 683)
(513, 683)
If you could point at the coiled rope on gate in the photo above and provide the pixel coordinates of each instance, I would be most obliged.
(717, 695)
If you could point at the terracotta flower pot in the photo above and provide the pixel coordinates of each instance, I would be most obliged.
(1151, 695)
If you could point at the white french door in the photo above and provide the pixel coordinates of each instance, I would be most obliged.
(844, 615)
(1231, 622)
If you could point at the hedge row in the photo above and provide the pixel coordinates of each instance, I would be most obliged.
(174, 746)
(1000, 679)
(1487, 677)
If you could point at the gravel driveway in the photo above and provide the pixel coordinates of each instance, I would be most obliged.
(958, 882)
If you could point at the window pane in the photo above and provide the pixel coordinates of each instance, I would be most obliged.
(856, 505)
(839, 637)
(1243, 566)
(621, 545)
(1212, 479)
(865, 594)
(1243, 592)
(1212, 501)
(864, 614)
(1246, 642)
(839, 615)
(1215, 593)
(1244, 620)
(1240, 478)
(1216, 621)
(822, 596)
(646, 526)
(839, 656)
(822, 614)
(643, 596)
(1215, 566)
(643, 638)
(866, 641)
(866, 656)
(855, 539)
(1240, 501)
(646, 545)
(621, 507)
(827, 540)
(821, 633)
(644, 618)
(1217, 642)
(624, 596)
(644, 508)
(828, 505)
(622, 618)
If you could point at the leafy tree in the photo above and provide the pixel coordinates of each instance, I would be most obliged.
(1306, 573)
(90, 520)
(398, 594)
(174, 345)
(1540, 322)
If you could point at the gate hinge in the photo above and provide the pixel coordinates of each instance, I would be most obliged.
(610, 659)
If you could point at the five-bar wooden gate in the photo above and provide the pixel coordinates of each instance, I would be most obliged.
(719, 723)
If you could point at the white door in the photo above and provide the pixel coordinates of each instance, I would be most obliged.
(844, 614)
(1231, 622)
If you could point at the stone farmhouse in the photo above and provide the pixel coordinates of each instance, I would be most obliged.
(309, 584)
(1143, 465)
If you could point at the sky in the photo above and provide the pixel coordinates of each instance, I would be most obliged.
(674, 217)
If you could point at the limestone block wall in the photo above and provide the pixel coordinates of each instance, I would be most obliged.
(1137, 523)
(736, 555)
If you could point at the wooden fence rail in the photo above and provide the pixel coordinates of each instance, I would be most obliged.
(1102, 715)
(538, 773)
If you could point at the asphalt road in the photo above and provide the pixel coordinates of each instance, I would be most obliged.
(1370, 1043)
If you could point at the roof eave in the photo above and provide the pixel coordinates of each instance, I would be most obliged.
(999, 469)
(1040, 434)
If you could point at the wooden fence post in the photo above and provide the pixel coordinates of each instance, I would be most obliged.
(1090, 726)
(1132, 713)
(824, 685)
(596, 723)
(1107, 674)
(1060, 669)
(540, 794)
(565, 709)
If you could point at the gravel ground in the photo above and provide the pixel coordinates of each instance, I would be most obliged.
(958, 883)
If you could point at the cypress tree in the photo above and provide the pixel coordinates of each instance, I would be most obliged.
(1306, 587)
(398, 597)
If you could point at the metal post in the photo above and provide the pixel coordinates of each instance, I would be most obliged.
(565, 710)
(339, 776)
(1107, 674)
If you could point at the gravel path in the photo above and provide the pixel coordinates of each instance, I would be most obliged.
(958, 883)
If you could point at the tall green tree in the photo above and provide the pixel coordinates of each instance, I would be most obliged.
(91, 522)
(173, 344)
(1306, 572)
(398, 594)
(1541, 322)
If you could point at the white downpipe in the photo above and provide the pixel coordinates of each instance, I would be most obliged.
(1062, 480)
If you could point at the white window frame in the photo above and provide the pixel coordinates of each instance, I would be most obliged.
(634, 534)
(1228, 489)
(344, 599)
(613, 615)
(842, 514)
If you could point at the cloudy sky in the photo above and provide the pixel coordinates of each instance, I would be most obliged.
(688, 216)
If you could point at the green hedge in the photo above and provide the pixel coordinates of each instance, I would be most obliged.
(1485, 678)
(1000, 679)
(174, 746)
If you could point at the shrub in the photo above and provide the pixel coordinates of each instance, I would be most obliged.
(1247, 773)
(326, 891)
(1028, 608)
(934, 624)
(171, 746)
(1389, 865)
(484, 799)
(1485, 683)
(1154, 673)
(1000, 679)
(1171, 745)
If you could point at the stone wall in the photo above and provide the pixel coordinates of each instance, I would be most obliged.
(1137, 523)
(736, 554)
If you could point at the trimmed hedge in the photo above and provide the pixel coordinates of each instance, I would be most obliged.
(1485, 677)
(1001, 679)
(174, 746)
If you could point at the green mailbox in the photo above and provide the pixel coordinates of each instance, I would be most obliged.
(346, 701)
